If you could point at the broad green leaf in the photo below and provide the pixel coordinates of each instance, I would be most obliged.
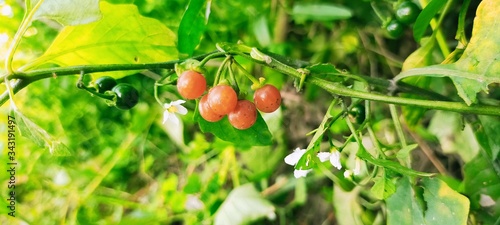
(39, 136)
(347, 206)
(443, 205)
(243, 205)
(402, 206)
(121, 36)
(68, 12)
(192, 27)
(320, 12)
(481, 178)
(257, 135)
(326, 71)
(425, 17)
(479, 65)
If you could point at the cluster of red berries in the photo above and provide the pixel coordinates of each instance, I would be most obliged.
(222, 100)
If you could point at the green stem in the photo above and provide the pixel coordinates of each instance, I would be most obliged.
(246, 73)
(399, 131)
(26, 22)
(221, 68)
(338, 89)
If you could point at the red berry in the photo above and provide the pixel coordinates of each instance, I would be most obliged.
(222, 99)
(243, 116)
(191, 84)
(267, 98)
(206, 112)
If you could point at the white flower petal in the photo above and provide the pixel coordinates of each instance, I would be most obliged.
(173, 119)
(181, 110)
(294, 157)
(301, 173)
(177, 102)
(323, 156)
(335, 159)
(167, 105)
(166, 116)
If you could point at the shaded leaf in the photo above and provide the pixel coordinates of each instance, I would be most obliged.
(132, 39)
(346, 205)
(39, 136)
(479, 65)
(68, 12)
(191, 27)
(425, 17)
(244, 204)
(257, 135)
(320, 12)
(443, 205)
(481, 178)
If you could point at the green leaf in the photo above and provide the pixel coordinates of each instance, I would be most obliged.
(402, 206)
(383, 188)
(320, 12)
(481, 178)
(257, 135)
(443, 205)
(326, 71)
(39, 136)
(388, 164)
(243, 205)
(68, 12)
(425, 17)
(191, 27)
(487, 136)
(347, 206)
(121, 36)
(405, 152)
(479, 65)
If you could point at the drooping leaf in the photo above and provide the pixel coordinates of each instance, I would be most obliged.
(443, 205)
(191, 27)
(425, 17)
(347, 205)
(388, 164)
(244, 204)
(479, 65)
(257, 135)
(68, 12)
(121, 36)
(38, 135)
(320, 12)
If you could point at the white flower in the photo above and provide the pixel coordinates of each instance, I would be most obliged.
(293, 158)
(334, 158)
(171, 111)
(301, 173)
